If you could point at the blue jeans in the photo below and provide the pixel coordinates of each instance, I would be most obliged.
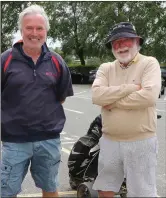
(45, 158)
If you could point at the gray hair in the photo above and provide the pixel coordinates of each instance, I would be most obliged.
(33, 9)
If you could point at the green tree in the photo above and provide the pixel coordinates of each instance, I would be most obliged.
(69, 23)
(9, 17)
(82, 27)
(150, 21)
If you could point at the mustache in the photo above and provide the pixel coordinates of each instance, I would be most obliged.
(123, 49)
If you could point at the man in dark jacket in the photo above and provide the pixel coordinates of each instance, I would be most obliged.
(35, 83)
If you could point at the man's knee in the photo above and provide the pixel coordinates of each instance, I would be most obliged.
(103, 194)
(50, 194)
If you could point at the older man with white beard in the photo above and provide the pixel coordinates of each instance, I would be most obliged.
(127, 90)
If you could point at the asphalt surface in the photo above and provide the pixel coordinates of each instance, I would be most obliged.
(80, 112)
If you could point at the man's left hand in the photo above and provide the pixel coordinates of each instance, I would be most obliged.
(109, 107)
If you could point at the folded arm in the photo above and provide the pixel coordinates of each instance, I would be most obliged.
(103, 94)
(149, 92)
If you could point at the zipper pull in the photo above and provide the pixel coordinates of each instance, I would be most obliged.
(34, 72)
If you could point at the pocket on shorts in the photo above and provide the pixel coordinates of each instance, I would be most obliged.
(55, 143)
(156, 146)
(54, 151)
(100, 162)
(5, 174)
(154, 151)
(149, 153)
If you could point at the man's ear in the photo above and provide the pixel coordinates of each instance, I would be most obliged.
(138, 41)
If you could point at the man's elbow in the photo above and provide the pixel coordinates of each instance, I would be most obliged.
(96, 98)
(151, 99)
(150, 95)
(151, 102)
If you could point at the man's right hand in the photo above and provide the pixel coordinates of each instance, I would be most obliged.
(139, 87)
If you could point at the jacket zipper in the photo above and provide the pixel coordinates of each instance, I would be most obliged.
(34, 72)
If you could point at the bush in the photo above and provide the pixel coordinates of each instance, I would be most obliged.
(68, 59)
(86, 66)
(93, 61)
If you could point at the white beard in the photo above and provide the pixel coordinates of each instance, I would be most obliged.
(126, 54)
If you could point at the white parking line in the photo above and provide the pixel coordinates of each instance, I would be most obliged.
(63, 133)
(66, 150)
(76, 136)
(160, 110)
(68, 138)
(67, 142)
(82, 97)
(80, 92)
(74, 111)
(40, 195)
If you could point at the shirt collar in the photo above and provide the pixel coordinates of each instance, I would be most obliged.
(135, 59)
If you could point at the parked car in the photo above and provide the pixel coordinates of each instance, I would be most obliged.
(79, 75)
(162, 91)
(75, 76)
(92, 75)
(163, 74)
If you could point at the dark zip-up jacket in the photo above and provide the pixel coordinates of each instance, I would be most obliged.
(31, 96)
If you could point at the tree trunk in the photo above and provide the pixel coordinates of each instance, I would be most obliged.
(78, 47)
(80, 54)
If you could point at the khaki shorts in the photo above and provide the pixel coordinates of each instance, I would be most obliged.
(136, 161)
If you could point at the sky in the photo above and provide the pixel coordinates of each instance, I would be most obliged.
(50, 43)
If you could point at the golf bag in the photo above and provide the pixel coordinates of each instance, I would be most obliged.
(83, 159)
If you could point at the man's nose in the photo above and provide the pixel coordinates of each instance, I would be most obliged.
(122, 44)
(34, 31)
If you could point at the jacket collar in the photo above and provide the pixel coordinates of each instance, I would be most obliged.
(18, 46)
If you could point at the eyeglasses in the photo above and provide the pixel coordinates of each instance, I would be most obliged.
(124, 42)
